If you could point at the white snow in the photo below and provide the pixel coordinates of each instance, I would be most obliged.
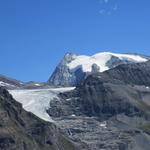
(68, 99)
(103, 124)
(101, 59)
(36, 84)
(6, 84)
(37, 101)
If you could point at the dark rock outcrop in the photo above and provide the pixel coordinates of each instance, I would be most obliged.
(133, 74)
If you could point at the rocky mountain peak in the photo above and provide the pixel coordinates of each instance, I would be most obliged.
(74, 68)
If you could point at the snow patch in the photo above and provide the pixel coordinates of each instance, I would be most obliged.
(68, 99)
(36, 84)
(103, 124)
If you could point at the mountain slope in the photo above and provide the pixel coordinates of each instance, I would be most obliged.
(109, 110)
(74, 68)
(126, 86)
(10, 83)
(21, 130)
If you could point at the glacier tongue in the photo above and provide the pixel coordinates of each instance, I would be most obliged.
(37, 101)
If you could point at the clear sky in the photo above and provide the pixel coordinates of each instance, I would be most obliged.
(35, 34)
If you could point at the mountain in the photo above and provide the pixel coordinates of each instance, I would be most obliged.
(10, 83)
(108, 110)
(75, 68)
(21, 130)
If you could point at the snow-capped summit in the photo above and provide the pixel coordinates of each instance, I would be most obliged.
(74, 68)
(101, 60)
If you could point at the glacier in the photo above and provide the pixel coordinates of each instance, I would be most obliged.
(37, 101)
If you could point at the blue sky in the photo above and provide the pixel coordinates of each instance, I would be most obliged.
(35, 34)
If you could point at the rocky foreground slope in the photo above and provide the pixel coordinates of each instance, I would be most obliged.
(109, 110)
(21, 130)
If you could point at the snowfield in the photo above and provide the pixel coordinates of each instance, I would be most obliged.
(37, 101)
(101, 60)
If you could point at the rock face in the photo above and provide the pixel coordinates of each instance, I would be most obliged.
(111, 108)
(63, 76)
(95, 69)
(136, 74)
(75, 68)
(21, 130)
